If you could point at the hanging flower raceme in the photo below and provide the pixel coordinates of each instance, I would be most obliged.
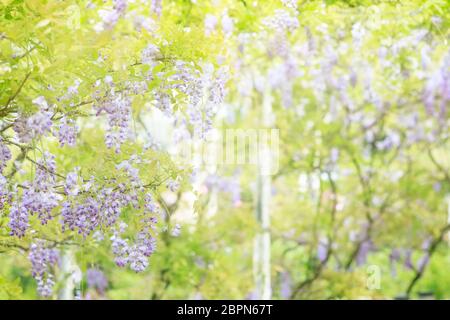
(5, 155)
(18, 219)
(136, 254)
(67, 132)
(5, 195)
(118, 111)
(43, 260)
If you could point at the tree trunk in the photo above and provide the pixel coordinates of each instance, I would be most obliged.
(262, 246)
(70, 276)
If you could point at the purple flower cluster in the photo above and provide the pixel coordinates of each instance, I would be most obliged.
(42, 261)
(118, 111)
(281, 21)
(364, 249)
(322, 249)
(205, 92)
(150, 205)
(5, 195)
(173, 185)
(112, 201)
(41, 202)
(111, 17)
(137, 259)
(84, 217)
(227, 24)
(156, 7)
(405, 256)
(136, 255)
(164, 102)
(5, 155)
(144, 246)
(88, 208)
(210, 23)
(176, 230)
(96, 280)
(120, 247)
(18, 219)
(120, 6)
(100, 208)
(132, 172)
(67, 132)
(36, 125)
(436, 94)
(38, 197)
(72, 186)
(217, 89)
(45, 172)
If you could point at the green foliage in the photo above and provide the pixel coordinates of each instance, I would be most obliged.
(10, 290)
(45, 45)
